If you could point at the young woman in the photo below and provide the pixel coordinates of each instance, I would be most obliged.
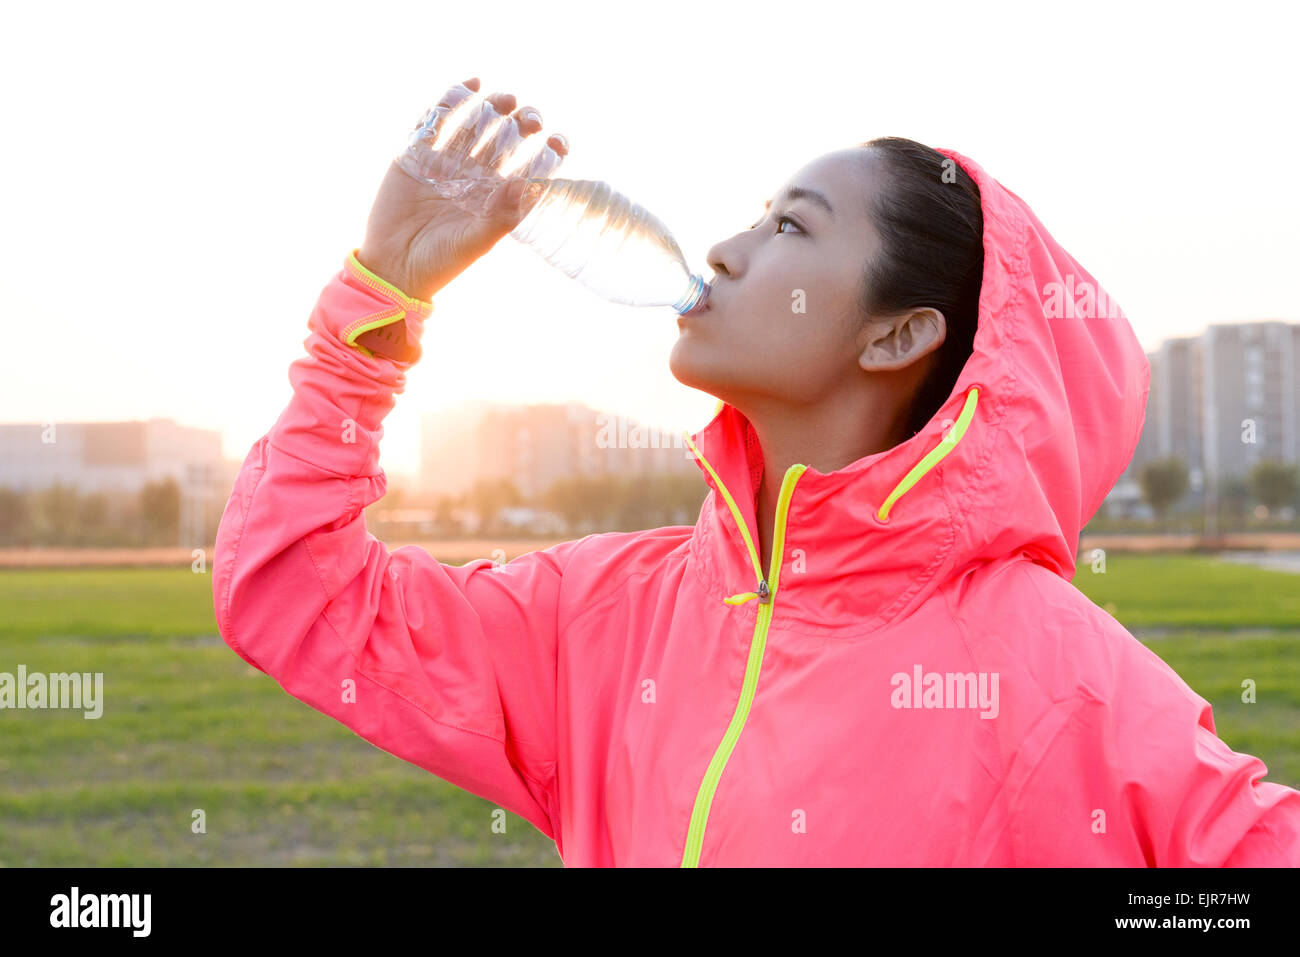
(866, 651)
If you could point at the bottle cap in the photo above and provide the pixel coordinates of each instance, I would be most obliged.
(695, 297)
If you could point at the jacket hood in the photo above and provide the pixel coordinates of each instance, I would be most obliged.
(1040, 424)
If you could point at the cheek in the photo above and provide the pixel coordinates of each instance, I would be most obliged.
(802, 322)
(806, 346)
(783, 354)
(807, 294)
(782, 333)
(796, 359)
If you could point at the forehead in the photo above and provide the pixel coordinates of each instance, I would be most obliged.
(846, 177)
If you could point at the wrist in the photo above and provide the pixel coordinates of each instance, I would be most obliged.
(394, 274)
(386, 269)
(384, 320)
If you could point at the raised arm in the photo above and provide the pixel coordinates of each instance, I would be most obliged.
(450, 668)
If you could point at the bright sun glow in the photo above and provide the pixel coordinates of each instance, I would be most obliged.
(180, 182)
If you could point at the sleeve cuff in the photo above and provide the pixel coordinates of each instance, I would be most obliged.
(394, 331)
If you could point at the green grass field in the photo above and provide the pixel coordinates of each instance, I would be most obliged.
(193, 727)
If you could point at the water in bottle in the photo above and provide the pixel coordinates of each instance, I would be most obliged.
(468, 151)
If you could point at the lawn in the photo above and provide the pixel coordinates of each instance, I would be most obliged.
(189, 726)
(1218, 624)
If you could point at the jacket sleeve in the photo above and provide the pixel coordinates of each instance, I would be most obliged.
(452, 668)
(1173, 794)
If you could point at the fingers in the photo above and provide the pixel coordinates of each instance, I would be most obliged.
(504, 102)
(484, 144)
(548, 158)
(434, 118)
(497, 153)
(497, 156)
(460, 136)
(529, 119)
(530, 122)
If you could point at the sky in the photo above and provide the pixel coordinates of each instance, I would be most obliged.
(181, 181)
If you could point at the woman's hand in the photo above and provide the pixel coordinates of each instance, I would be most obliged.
(419, 241)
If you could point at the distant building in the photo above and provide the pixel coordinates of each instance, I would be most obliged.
(534, 446)
(1221, 402)
(110, 456)
(120, 458)
(1250, 402)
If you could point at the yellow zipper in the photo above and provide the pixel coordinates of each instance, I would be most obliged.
(704, 796)
(765, 595)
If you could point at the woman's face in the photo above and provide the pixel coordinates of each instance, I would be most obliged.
(782, 318)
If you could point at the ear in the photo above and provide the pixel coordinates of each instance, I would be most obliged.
(896, 343)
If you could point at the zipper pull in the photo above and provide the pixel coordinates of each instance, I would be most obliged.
(764, 596)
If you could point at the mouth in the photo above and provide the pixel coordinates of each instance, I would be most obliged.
(698, 311)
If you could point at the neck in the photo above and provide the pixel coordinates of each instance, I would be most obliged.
(827, 436)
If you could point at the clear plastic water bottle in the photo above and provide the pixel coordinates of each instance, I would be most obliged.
(468, 151)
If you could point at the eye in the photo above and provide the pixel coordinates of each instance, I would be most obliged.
(779, 221)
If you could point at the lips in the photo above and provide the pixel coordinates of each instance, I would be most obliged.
(700, 308)
(696, 312)
(706, 300)
(692, 313)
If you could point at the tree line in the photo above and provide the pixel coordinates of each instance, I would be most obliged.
(1267, 489)
(64, 516)
(580, 505)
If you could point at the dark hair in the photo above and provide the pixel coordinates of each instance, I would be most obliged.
(932, 254)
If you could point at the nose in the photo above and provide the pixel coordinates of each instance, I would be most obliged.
(717, 258)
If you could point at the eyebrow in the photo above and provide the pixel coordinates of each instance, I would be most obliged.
(798, 192)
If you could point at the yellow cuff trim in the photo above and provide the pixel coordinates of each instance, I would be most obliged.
(366, 276)
(402, 304)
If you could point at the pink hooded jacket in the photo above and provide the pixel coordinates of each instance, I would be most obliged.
(915, 681)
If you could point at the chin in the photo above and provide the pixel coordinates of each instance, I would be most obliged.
(689, 368)
(686, 368)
